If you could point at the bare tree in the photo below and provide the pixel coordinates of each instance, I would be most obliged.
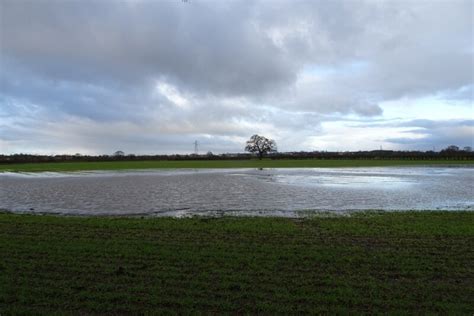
(260, 145)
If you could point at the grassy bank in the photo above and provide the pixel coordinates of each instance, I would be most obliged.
(394, 262)
(266, 163)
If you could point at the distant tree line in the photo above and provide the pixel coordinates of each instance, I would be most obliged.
(27, 158)
(449, 153)
(380, 154)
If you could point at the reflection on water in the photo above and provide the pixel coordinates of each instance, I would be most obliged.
(280, 192)
(352, 181)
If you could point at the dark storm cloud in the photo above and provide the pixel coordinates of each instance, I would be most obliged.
(237, 47)
(209, 46)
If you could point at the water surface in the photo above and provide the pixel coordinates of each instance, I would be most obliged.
(280, 192)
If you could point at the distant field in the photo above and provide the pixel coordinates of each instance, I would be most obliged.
(395, 263)
(266, 163)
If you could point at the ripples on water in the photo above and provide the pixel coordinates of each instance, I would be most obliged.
(280, 192)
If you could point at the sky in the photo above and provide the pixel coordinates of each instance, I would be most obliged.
(152, 77)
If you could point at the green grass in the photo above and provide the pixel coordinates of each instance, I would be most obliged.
(397, 263)
(266, 163)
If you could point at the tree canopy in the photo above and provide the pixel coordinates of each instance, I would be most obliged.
(260, 145)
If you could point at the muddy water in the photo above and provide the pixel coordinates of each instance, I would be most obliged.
(280, 192)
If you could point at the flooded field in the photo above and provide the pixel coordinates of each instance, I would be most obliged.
(277, 192)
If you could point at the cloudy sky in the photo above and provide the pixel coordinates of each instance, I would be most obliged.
(150, 77)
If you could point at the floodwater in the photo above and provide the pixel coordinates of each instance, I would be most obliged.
(276, 192)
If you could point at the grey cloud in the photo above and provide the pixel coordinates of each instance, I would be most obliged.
(203, 45)
(418, 123)
(239, 65)
(58, 98)
(241, 48)
(462, 93)
(438, 124)
(438, 134)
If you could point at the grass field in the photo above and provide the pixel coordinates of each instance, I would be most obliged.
(266, 163)
(368, 263)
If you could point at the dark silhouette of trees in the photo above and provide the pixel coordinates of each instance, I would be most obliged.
(260, 145)
(448, 153)
(452, 148)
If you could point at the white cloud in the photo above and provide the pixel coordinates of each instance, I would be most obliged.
(172, 94)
